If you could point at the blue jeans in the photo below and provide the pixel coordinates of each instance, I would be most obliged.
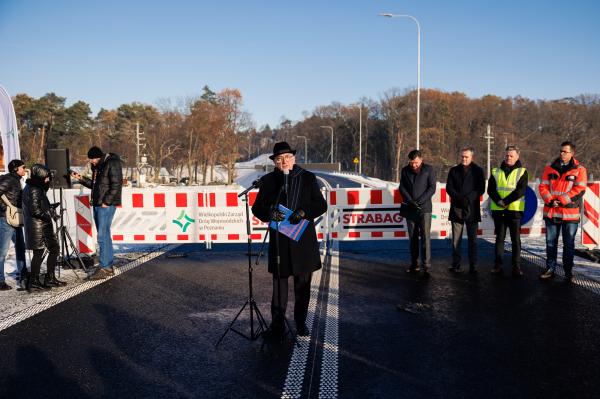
(568, 233)
(103, 218)
(9, 233)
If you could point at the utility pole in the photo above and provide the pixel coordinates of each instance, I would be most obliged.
(140, 157)
(489, 137)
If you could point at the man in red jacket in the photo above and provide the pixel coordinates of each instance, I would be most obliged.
(562, 188)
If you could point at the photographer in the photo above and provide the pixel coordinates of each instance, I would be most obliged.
(39, 231)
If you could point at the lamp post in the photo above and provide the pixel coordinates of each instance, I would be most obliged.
(388, 15)
(330, 128)
(305, 148)
(359, 136)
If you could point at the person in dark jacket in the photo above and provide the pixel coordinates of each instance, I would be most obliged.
(10, 185)
(417, 186)
(39, 230)
(106, 185)
(298, 258)
(506, 188)
(465, 185)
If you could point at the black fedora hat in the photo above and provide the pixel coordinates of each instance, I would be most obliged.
(282, 148)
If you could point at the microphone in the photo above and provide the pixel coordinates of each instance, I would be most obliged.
(286, 173)
(255, 184)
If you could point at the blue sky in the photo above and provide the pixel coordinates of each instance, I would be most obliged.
(288, 57)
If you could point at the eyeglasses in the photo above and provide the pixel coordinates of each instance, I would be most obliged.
(282, 158)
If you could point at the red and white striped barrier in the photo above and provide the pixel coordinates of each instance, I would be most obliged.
(590, 222)
(190, 215)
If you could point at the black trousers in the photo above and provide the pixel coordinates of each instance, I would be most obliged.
(419, 234)
(38, 257)
(501, 223)
(301, 298)
(457, 231)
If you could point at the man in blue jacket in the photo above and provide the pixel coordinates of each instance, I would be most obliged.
(417, 186)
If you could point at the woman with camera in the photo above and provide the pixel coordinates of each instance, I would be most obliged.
(39, 231)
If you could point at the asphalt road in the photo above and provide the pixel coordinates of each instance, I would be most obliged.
(150, 333)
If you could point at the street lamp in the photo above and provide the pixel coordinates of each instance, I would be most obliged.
(305, 148)
(330, 128)
(359, 136)
(388, 15)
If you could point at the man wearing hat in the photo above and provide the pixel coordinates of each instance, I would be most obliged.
(10, 186)
(106, 184)
(297, 190)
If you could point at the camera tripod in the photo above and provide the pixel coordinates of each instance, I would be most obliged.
(66, 244)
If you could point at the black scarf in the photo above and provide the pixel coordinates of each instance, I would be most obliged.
(290, 200)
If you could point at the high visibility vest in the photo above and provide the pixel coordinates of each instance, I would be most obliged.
(506, 185)
(564, 188)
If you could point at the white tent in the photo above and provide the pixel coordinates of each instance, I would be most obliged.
(9, 130)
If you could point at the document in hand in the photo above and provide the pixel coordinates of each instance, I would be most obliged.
(293, 231)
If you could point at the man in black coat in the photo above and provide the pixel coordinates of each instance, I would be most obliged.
(465, 185)
(106, 185)
(297, 258)
(417, 186)
(10, 185)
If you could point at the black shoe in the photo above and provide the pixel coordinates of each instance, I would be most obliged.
(412, 270)
(517, 272)
(302, 330)
(426, 273)
(36, 284)
(56, 282)
(497, 270)
(275, 330)
(547, 274)
(455, 269)
(4, 286)
(569, 277)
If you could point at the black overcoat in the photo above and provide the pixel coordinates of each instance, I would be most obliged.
(300, 257)
(39, 231)
(465, 187)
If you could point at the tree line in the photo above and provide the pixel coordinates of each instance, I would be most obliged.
(197, 134)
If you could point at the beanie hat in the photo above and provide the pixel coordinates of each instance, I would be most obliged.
(39, 171)
(14, 165)
(95, 152)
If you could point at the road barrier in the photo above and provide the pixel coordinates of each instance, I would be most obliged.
(217, 215)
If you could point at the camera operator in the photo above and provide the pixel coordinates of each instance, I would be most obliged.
(39, 230)
(106, 185)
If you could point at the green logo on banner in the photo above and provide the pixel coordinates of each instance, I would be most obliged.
(183, 221)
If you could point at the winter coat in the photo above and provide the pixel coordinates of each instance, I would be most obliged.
(39, 231)
(567, 184)
(10, 184)
(300, 257)
(418, 187)
(519, 192)
(465, 187)
(107, 181)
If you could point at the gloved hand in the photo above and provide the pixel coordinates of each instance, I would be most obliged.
(555, 203)
(414, 204)
(277, 215)
(501, 204)
(54, 205)
(297, 216)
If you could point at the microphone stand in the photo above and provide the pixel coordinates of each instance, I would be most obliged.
(262, 324)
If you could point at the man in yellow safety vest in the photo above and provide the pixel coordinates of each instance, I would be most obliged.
(506, 189)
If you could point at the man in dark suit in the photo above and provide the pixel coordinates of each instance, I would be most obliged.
(417, 186)
(465, 185)
(299, 258)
